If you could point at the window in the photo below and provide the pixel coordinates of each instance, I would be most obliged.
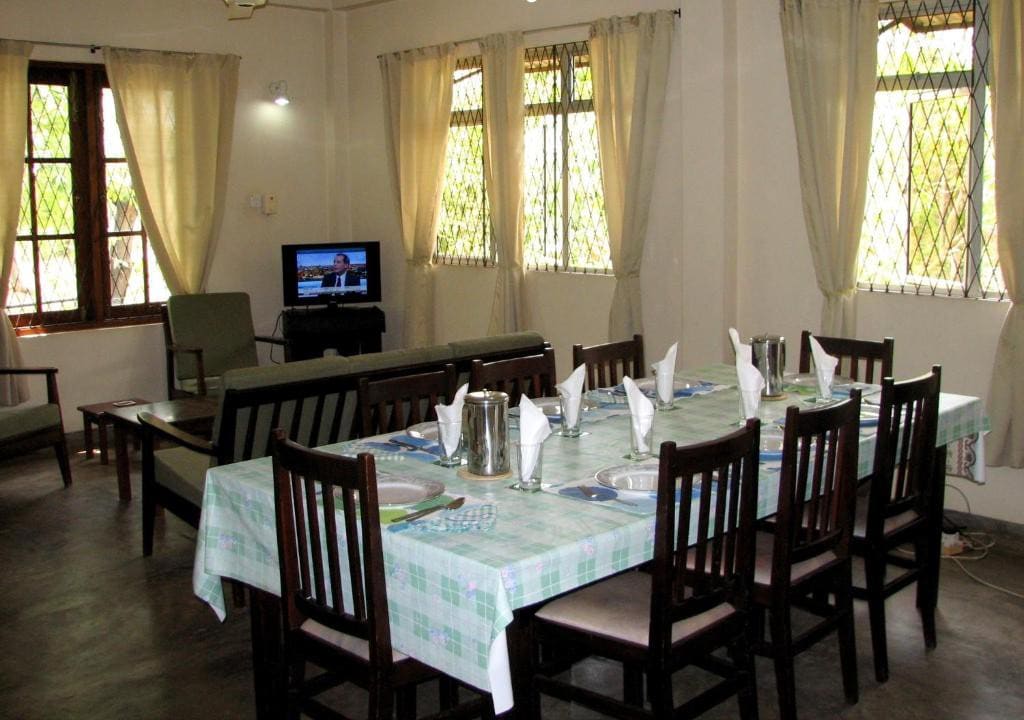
(929, 224)
(565, 226)
(81, 257)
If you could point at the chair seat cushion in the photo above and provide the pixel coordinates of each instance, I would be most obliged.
(620, 608)
(26, 419)
(214, 385)
(800, 571)
(343, 641)
(890, 526)
(182, 471)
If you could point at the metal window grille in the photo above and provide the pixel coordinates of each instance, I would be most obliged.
(564, 224)
(929, 225)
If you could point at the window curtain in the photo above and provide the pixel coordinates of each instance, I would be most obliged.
(176, 113)
(13, 131)
(1005, 444)
(417, 109)
(831, 48)
(629, 59)
(503, 58)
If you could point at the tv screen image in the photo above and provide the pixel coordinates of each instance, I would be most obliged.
(329, 273)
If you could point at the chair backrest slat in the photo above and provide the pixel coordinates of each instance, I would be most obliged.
(864, 360)
(395, 403)
(532, 375)
(608, 363)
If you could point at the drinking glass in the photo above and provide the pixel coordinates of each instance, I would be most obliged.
(449, 429)
(531, 483)
(640, 447)
(664, 405)
(568, 430)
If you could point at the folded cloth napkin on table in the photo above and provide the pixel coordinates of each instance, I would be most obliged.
(572, 390)
(742, 349)
(641, 412)
(534, 429)
(824, 368)
(664, 374)
(449, 421)
(751, 383)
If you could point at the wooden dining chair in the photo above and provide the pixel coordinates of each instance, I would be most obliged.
(903, 508)
(395, 403)
(530, 375)
(333, 592)
(693, 602)
(874, 358)
(608, 363)
(805, 560)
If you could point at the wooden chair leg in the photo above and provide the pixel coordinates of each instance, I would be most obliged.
(874, 572)
(406, 703)
(381, 702)
(148, 499)
(782, 653)
(847, 636)
(61, 448)
(746, 695)
(927, 591)
(448, 693)
(632, 685)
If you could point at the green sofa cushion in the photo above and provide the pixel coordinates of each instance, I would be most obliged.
(22, 419)
(495, 344)
(182, 471)
(371, 362)
(256, 377)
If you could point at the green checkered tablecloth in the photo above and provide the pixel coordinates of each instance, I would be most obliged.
(451, 595)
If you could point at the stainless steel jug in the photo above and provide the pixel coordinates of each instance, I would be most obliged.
(769, 357)
(486, 428)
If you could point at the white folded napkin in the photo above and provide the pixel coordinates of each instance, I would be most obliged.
(824, 368)
(664, 374)
(449, 417)
(572, 390)
(534, 429)
(751, 383)
(741, 349)
(641, 411)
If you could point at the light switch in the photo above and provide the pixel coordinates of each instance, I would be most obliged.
(269, 204)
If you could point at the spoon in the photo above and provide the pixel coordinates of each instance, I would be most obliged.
(592, 494)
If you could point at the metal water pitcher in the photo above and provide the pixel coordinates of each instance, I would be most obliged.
(486, 428)
(769, 356)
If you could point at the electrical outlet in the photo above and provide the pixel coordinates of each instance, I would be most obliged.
(952, 543)
(269, 204)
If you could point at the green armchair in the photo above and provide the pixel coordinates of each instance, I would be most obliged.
(26, 427)
(206, 335)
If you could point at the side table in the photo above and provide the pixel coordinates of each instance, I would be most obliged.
(96, 414)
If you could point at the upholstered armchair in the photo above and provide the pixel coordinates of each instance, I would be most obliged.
(27, 427)
(205, 335)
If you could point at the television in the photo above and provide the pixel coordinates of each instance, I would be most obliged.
(330, 273)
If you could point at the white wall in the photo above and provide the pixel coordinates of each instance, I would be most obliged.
(726, 243)
(276, 150)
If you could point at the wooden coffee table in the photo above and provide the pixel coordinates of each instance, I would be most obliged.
(194, 415)
(96, 414)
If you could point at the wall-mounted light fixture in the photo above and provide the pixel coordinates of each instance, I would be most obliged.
(279, 92)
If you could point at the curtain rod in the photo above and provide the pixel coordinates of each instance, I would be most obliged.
(677, 12)
(93, 48)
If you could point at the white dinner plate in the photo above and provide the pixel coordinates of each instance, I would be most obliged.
(649, 387)
(810, 380)
(638, 478)
(551, 407)
(426, 430)
(395, 490)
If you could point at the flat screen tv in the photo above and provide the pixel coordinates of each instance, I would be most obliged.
(330, 273)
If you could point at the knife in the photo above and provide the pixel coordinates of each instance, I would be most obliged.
(453, 505)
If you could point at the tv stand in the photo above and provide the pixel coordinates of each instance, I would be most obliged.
(349, 330)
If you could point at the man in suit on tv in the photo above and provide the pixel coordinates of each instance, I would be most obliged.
(341, 277)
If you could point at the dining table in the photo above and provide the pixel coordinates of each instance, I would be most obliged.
(461, 583)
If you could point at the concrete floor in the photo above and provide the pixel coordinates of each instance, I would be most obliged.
(91, 629)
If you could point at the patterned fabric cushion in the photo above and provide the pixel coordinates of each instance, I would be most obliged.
(620, 608)
(22, 419)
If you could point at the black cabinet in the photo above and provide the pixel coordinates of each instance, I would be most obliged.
(349, 330)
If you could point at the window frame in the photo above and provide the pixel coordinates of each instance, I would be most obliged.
(975, 82)
(88, 162)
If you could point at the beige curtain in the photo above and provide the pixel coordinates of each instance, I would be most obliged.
(13, 130)
(503, 58)
(630, 59)
(417, 108)
(176, 113)
(830, 50)
(1005, 444)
